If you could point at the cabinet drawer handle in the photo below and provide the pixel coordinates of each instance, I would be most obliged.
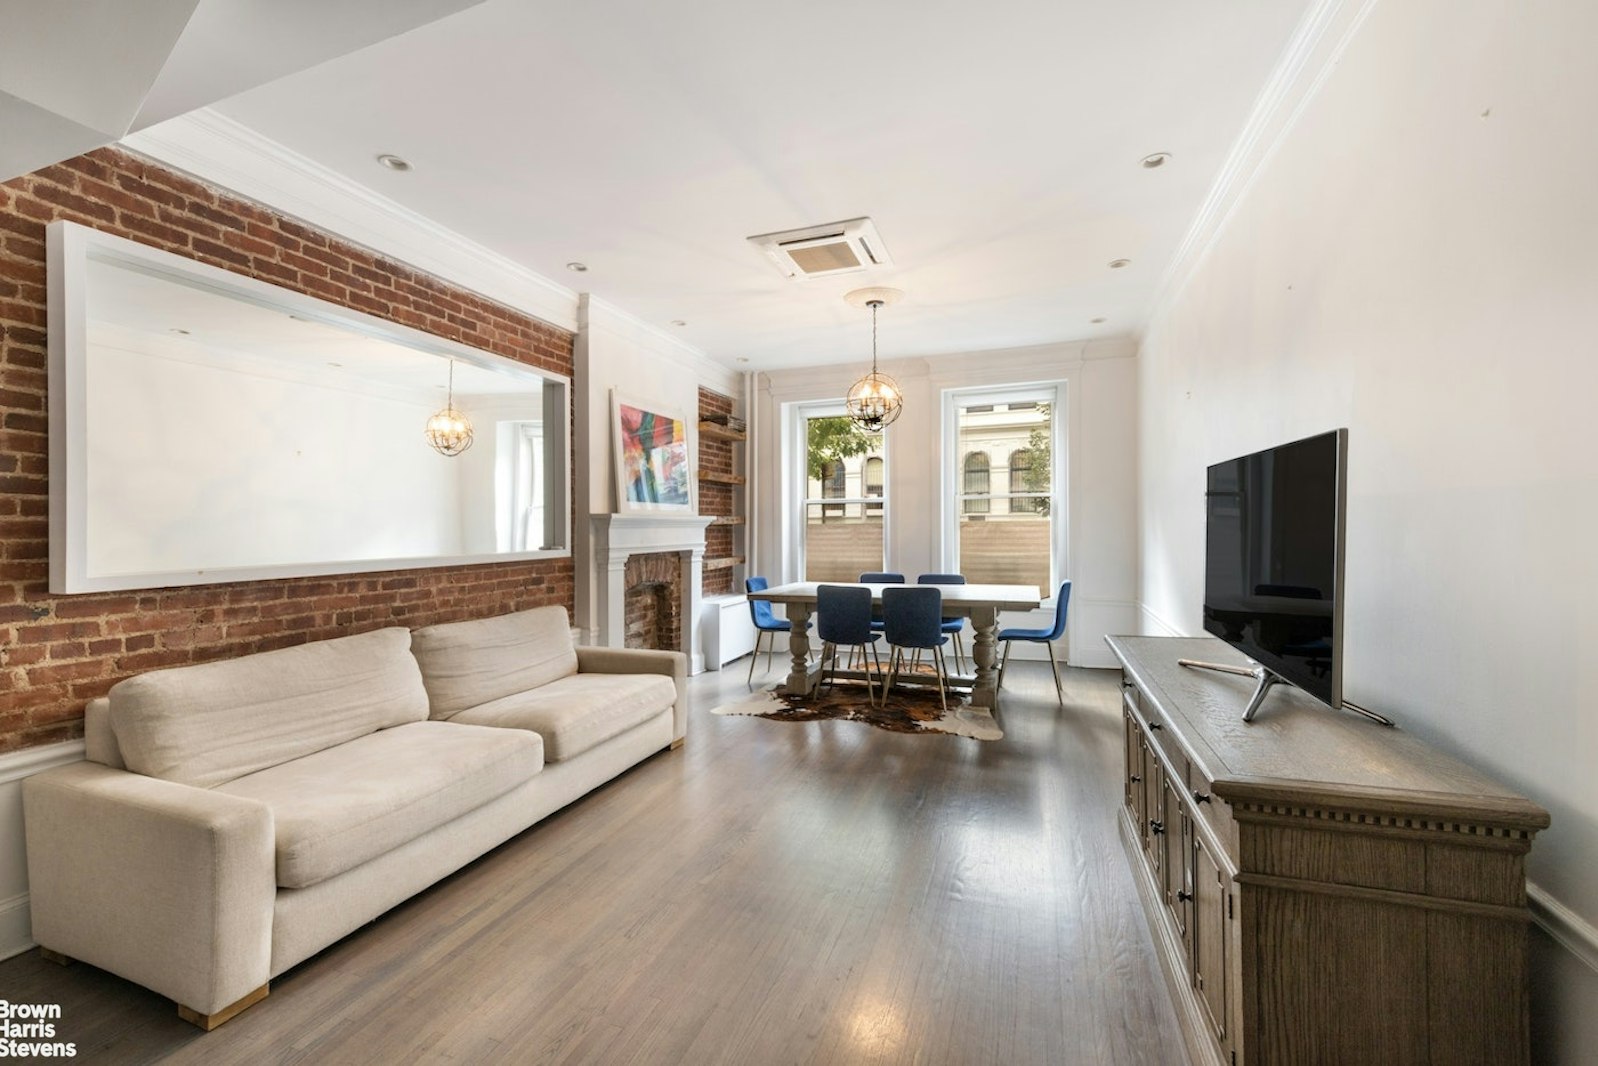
(1200, 797)
(1155, 725)
(1184, 897)
(1156, 827)
(1134, 779)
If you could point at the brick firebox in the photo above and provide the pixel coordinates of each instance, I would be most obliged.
(653, 601)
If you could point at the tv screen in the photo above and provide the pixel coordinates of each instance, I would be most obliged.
(1274, 560)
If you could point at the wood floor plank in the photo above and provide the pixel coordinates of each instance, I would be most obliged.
(773, 892)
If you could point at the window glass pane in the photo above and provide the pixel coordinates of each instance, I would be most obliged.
(1004, 511)
(1012, 549)
(842, 463)
(842, 541)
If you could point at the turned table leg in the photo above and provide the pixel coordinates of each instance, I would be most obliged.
(798, 682)
(984, 652)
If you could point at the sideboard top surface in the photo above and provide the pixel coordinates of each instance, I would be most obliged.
(1298, 749)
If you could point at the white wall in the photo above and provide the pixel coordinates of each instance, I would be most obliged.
(1100, 384)
(1416, 262)
(616, 351)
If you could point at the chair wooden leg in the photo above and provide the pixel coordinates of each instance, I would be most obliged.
(771, 650)
(754, 656)
(1004, 663)
(959, 653)
(882, 678)
(943, 698)
(227, 1013)
(1055, 666)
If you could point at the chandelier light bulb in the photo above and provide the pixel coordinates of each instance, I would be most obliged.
(874, 402)
(449, 431)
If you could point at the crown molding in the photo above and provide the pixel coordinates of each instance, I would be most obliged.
(1308, 60)
(222, 152)
(596, 313)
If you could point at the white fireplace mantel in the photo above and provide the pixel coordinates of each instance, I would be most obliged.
(619, 536)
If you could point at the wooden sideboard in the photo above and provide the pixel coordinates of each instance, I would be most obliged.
(1321, 888)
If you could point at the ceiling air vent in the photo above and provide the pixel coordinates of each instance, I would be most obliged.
(819, 251)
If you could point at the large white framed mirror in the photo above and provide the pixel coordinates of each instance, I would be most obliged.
(209, 427)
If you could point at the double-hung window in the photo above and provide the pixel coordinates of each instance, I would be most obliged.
(844, 503)
(1004, 523)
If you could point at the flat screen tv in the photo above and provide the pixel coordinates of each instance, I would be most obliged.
(1273, 568)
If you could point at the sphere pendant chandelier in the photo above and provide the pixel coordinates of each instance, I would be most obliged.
(874, 402)
(449, 431)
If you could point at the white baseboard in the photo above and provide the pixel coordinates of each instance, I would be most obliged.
(1567, 928)
(16, 927)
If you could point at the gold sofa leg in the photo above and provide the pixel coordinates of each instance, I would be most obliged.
(56, 957)
(227, 1013)
(679, 742)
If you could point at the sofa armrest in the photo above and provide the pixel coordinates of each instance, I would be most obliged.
(165, 884)
(674, 664)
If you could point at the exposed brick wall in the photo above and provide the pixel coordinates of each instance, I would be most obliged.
(56, 653)
(652, 601)
(717, 457)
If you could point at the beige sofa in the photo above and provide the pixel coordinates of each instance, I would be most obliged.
(232, 819)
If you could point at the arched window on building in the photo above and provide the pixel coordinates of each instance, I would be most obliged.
(975, 483)
(1020, 468)
(834, 486)
(872, 483)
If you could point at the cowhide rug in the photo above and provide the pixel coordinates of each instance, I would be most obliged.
(907, 710)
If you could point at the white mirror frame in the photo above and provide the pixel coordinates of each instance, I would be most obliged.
(69, 248)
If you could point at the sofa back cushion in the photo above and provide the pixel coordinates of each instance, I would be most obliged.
(204, 725)
(469, 663)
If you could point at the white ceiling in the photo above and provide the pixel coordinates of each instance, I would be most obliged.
(78, 74)
(997, 146)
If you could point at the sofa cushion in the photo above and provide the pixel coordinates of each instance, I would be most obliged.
(578, 712)
(204, 725)
(465, 664)
(341, 807)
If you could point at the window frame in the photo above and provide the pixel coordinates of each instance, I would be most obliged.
(801, 501)
(952, 477)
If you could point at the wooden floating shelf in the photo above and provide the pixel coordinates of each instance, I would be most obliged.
(728, 520)
(724, 563)
(721, 479)
(717, 431)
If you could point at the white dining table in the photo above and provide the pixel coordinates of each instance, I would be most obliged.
(980, 603)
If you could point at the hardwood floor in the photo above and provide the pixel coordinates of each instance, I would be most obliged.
(771, 893)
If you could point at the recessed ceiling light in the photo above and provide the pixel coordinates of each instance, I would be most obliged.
(394, 162)
(179, 332)
(1097, 321)
(577, 268)
(742, 359)
(679, 322)
(1117, 264)
(1158, 159)
(335, 364)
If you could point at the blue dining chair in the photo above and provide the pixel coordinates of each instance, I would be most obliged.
(952, 625)
(1046, 637)
(843, 619)
(767, 624)
(880, 577)
(913, 621)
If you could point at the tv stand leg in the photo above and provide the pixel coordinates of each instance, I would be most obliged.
(1266, 680)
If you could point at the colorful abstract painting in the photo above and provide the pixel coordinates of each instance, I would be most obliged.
(653, 469)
